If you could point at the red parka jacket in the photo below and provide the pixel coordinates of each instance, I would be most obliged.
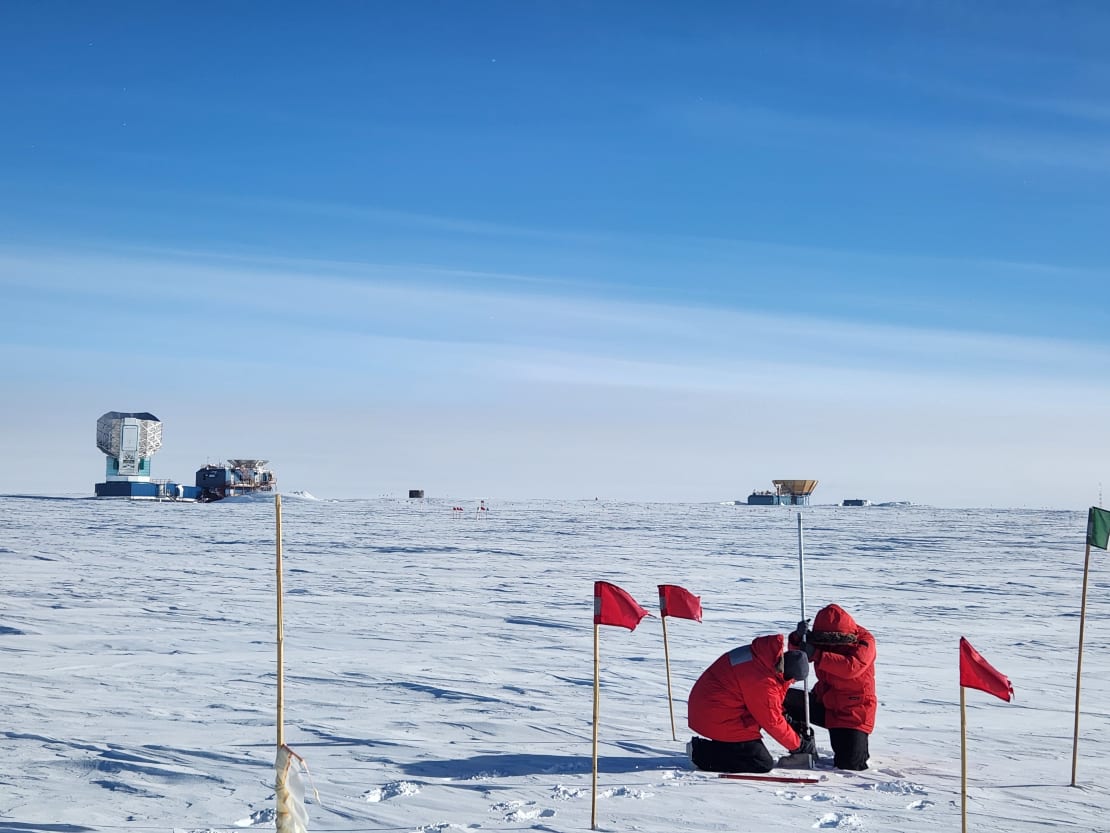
(741, 693)
(845, 672)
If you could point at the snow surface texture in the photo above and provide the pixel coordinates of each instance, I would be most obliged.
(439, 665)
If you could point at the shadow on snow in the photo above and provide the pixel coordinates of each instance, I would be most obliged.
(522, 763)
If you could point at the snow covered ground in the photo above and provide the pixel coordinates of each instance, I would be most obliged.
(439, 664)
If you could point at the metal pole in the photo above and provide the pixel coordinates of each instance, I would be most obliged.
(280, 636)
(802, 583)
(1079, 664)
(801, 565)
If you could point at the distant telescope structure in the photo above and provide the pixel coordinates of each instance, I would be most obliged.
(786, 493)
(416, 493)
(128, 441)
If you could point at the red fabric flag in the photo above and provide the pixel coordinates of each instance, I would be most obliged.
(613, 606)
(976, 672)
(680, 602)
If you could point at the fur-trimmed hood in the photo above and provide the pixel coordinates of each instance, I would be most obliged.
(833, 625)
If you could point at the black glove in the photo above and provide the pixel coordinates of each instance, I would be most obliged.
(801, 633)
(808, 745)
(809, 648)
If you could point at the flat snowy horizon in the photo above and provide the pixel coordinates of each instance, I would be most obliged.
(439, 664)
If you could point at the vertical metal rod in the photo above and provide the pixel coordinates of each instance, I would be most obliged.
(280, 636)
(801, 565)
(802, 583)
(1079, 663)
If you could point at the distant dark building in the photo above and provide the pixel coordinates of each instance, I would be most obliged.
(416, 493)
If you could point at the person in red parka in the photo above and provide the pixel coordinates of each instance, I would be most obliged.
(737, 698)
(843, 701)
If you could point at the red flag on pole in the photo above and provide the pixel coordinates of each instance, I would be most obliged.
(976, 672)
(613, 606)
(680, 602)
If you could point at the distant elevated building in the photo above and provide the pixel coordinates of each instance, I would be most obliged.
(786, 493)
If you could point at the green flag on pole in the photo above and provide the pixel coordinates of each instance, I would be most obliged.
(1098, 527)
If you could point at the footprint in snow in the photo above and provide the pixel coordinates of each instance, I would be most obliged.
(786, 795)
(899, 788)
(626, 792)
(919, 805)
(488, 775)
(518, 811)
(565, 793)
(838, 820)
(391, 790)
(820, 797)
(266, 816)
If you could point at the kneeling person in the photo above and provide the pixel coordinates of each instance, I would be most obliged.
(843, 701)
(739, 697)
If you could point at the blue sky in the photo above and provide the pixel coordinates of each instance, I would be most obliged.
(563, 249)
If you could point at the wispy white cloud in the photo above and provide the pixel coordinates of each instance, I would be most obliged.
(933, 144)
(539, 337)
(560, 392)
(380, 215)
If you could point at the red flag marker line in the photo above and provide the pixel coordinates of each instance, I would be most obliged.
(781, 779)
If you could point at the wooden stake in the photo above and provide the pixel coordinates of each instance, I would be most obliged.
(963, 760)
(1079, 663)
(667, 661)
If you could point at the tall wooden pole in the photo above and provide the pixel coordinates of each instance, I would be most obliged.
(597, 704)
(280, 636)
(667, 662)
(1079, 663)
(963, 760)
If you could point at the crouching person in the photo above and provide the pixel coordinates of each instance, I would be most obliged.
(843, 701)
(738, 698)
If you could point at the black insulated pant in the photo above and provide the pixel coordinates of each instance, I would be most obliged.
(849, 745)
(730, 756)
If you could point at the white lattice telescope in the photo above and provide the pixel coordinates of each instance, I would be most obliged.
(128, 440)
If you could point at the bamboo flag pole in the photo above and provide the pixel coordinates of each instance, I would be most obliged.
(963, 760)
(280, 637)
(667, 662)
(597, 704)
(1079, 662)
(612, 606)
